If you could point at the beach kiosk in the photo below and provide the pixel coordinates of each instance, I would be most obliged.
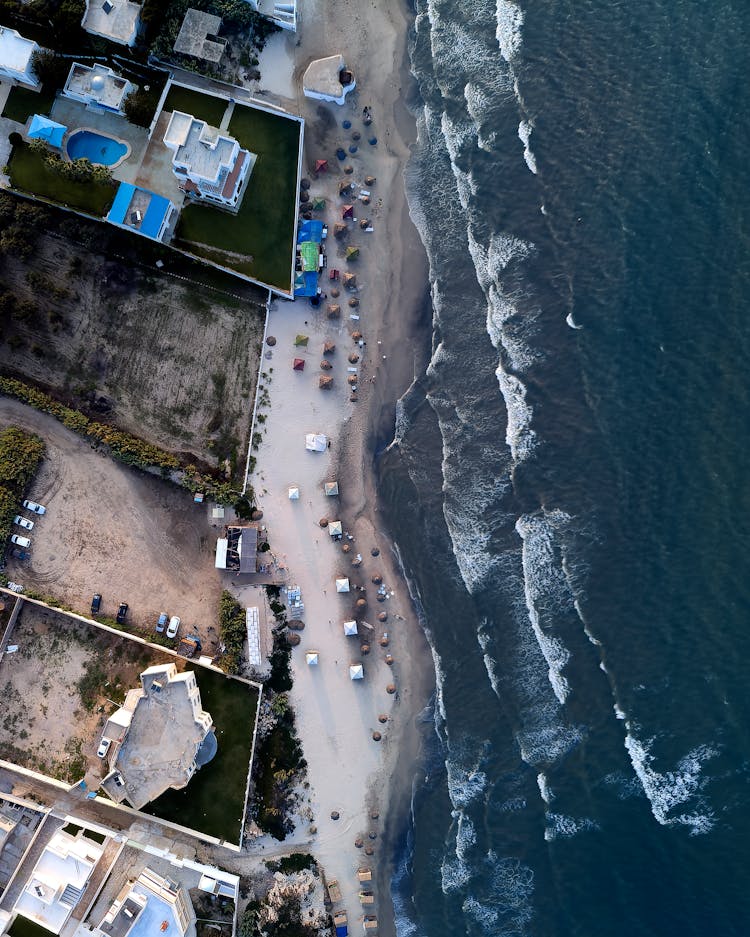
(340, 923)
(356, 672)
(316, 442)
(350, 628)
(312, 658)
(335, 530)
(294, 493)
(342, 585)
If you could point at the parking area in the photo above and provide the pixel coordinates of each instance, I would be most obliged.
(113, 530)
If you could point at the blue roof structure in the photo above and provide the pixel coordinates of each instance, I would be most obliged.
(42, 128)
(151, 223)
(310, 231)
(306, 284)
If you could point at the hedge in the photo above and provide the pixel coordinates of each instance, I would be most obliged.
(232, 627)
(20, 455)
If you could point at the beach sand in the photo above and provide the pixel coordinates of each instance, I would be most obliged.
(348, 771)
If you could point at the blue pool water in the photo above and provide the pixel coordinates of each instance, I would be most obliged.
(83, 144)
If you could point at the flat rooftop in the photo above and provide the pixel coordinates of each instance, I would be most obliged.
(97, 82)
(15, 51)
(114, 19)
(203, 149)
(139, 209)
(199, 36)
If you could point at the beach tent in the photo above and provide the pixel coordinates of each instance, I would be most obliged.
(298, 364)
(364, 875)
(331, 489)
(350, 628)
(301, 340)
(318, 203)
(349, 280)
(312, 658)
(342, 585)
(347, 212)
(352, 252)
(356, 672)
(42, 128)
(335, 529)
(294, 493)
(321, 165)
(316, 442)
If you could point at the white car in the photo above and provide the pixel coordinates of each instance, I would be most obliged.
(101, 752)
(23, 522)
(174, 627)
(20, 541)
(34, 507)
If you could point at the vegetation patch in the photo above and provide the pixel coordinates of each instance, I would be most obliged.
(20, 455)
(23, 102)
(232, 629)
(201, 106)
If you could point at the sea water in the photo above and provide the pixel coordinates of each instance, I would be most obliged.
(569, 479)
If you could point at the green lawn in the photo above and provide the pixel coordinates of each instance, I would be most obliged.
(214, 799)
(29, 174)
(203, 106)
(23, 102)
(262, 232)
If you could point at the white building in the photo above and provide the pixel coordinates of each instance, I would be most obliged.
(210, 163)
(282, 12)
(59, 880)
(145, 905)
(328, 79)
(116, 20)
(97, 86)
(15, 57)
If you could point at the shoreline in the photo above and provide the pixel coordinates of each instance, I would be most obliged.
(392, 272)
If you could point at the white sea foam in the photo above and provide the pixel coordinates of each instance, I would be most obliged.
(571, 322)
(508, 33)
(671, 789)
(525, 128)
(544, 788)
(562, 827)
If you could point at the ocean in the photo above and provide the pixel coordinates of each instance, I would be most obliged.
(569, 479)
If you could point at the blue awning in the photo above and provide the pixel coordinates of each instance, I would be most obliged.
(42, 128)
(310, 231)
(153, 218)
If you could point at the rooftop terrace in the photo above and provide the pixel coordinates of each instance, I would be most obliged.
(116, 20)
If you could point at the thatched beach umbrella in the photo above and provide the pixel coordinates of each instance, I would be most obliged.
(335, 814)
(304, 184)
(323, 522)
(335, 292)
(384, 641)
(361, 603)
(369, 851)
(348, 170)
(356, 135)
(364, 649)
(326, 365)
(356, 335)
(383, 718)
(359, 842)
(353, 397)
(271, 341)
(329, 347)
(333, 311)
(391, 688)
(364, 223)
(365, 199)
(377, 579)
(374, 552)
(354, 357)
(352, 379)
(357, 561)
(296, 624)
(388, 660)
(304, 197)
(383, 616)
(293, 640)
(349, 280)
(354, 302)
(346, 548)
(352, 252)
(370, 180)
(339, 229)
(376, 736)
(325, 382)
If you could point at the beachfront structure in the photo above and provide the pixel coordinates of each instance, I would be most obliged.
(15, 58)
(145, 906)
(199, 36)
(282, 12)
(328, 79)
(209, 163)
(161, 735)
(97, 86)
(116, 20)
(238, 549)
(141, 211)
(59, 880)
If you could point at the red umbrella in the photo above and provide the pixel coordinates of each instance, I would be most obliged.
(347, 212)
(321, 165)
(299, 364)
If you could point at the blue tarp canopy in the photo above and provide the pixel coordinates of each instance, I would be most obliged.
(152, 220)
(310, 231)
(306, 284)
(42, 128)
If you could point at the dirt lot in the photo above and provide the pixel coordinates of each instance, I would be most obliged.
(53, 689)
(172, 362)
(114, 530)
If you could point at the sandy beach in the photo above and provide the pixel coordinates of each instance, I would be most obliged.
(365, 782)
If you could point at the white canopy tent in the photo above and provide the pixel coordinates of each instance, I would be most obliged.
(312, 658)
(294, 493)
(342, 585)
(335, 529)
(316, 442)
(350, 627)
(356, 672)
(331, 489)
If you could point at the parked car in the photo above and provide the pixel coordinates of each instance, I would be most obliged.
(20, 541)
(96, 603)
(174, 627)
(101, 752)
(122, 611)
(15, 587)
(34, 507)
(23, 522)
(161, 623)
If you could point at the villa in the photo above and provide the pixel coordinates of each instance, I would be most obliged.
(160, 736)
(210, 164)
(15, 58)
(282, 12)
(97, 86)
(116, 20)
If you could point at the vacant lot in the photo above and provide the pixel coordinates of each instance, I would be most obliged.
(257, 241)
(172, 362)
(114, 530)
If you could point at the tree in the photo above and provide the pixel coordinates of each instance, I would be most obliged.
(51, 69)
(139, 107)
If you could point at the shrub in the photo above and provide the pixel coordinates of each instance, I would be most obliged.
(232, 628)
(20, 455)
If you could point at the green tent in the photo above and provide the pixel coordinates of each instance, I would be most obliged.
(352, 253)
(309, 252)
(301, 340)
(318, 204)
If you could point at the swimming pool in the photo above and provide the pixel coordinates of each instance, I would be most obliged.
(85, 144)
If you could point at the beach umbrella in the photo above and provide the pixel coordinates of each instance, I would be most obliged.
(365, 649)
(350, 628)
(340, 154)
(354, 357)
(318, 203)
(331, 489)
(304, 197)
(354, 302)
(342, 585)
(373, 141)
(346, 124)
(325, 382)
(347, 212)
(312, 658)
(271, 341)
(321, 165)
(356, 672)
(293, 640)
(388, 660)
(335, 529)
(334, 310)
(352, 252)
(359, 842)
(296, 624)
(391, 688)
(377, 579)
(298, 364)
(294, 493)
(339, 230)
(335, 293)
(384, 641)
(329, 348)
(361, 603)
(346, 548)
(353, 148)
(326, 365)
(356, 336)
(364, 223)
(335, 814)
(365, 199)
(352, 379)
(383, 718)
(301, 340)
(376, 737)
(344, 187)
(369, 851)
(383, 616)
(356, 135)
(370, 180)
(323, 522)
(304, 184)
(349, 280)
(348, 170)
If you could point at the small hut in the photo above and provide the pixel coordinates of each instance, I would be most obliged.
(339, 229)
(325, 382)
(294, 493)
(345, 187)
(312, 658)
(350, 628)
(342, 585)
(333, 310)
(335, 530)
(350, 281)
